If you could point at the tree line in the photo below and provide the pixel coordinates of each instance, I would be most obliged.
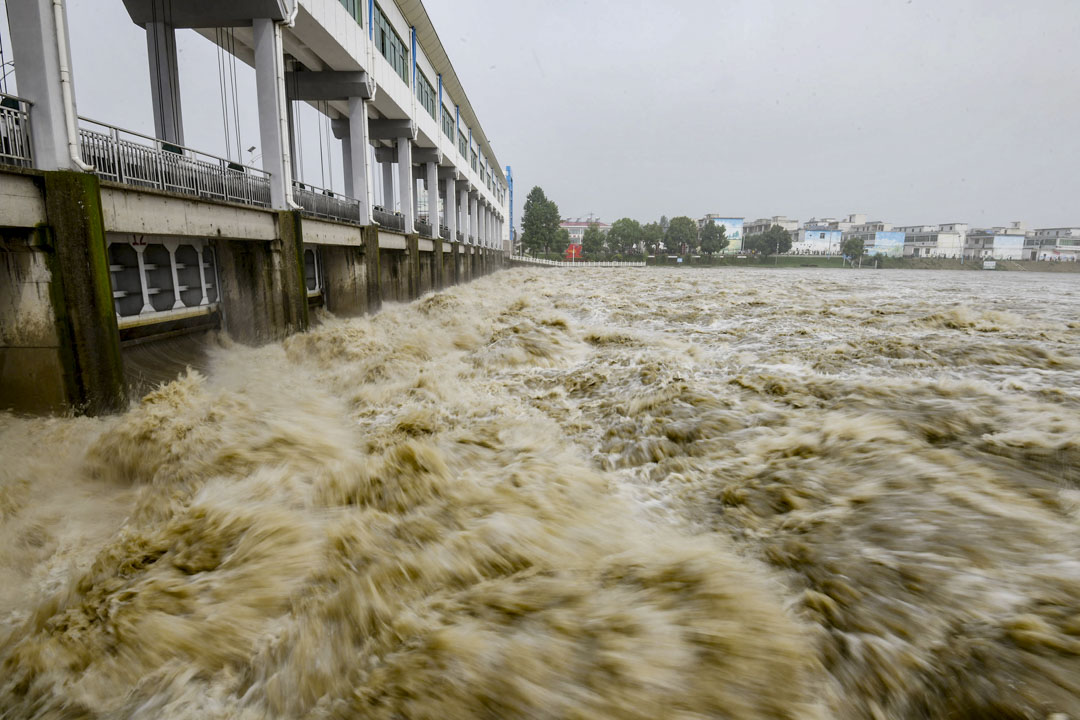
(541, 234)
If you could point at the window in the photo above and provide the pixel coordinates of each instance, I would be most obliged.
(353, 6)
(390, 45)
(463, 145)
(448, 124)
(473, 160)
(425, 93)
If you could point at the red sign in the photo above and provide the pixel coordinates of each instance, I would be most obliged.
(573, 251)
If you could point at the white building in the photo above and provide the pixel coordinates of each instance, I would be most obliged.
(1053, 244)
(945, 240)
(757, 227)
(997, 243)
(576, 227)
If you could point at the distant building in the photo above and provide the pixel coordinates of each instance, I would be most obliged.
(878, 238)
(945, 240)
(577, 227)
(834, 224)
(733, 229)
(820, 241)
(757, 227)
(997, 243)
(1053, 244)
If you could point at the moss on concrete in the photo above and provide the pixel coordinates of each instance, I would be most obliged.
(80, 266)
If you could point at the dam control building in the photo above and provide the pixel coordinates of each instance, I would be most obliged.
(113, 240)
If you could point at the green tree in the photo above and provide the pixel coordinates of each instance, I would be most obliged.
(539, 223)
(652, 235)
(592, 242)
(776, 240)
(713, 238)
(853, 247)
(682, 234)
(625, 236)
(562, 241)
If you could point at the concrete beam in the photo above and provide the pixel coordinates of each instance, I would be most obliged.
(211, 13)
(329, 85)
(423, 155)
(393, 129)
(128, 210)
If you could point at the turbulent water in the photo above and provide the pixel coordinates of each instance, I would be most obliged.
(574, 494)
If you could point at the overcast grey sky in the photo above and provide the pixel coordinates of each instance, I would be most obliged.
(911, 111)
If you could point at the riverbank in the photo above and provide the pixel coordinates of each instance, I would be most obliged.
(818, 261)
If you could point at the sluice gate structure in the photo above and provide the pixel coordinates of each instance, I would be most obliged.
(111, 239)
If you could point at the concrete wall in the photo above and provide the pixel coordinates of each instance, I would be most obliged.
(345, 280)
(394, 275)
(31, 371)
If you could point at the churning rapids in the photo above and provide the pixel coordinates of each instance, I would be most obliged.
(634, 493)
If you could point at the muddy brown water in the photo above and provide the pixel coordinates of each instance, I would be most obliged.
(624, 493)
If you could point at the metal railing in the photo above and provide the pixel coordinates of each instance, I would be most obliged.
(326, 204)
(388, 220)
(142, 161)
(424, 228)
(460, 236)
(444, 232)
(15, 131)
(563, 263)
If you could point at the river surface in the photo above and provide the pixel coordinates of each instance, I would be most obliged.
(598, 493)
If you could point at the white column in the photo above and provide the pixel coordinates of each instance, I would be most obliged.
(359, 165)
(388, 187)
(432, 183)
(202, 271)
(463, 209)
(164, 79)
(144, 281)
(406, 183)
(273, 121)
(347, 166)
(473, 217)
(37, 49)
(450, 189)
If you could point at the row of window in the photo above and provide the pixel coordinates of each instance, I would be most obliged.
(396, 52)
(390, 45)
(425, 94)
(448, 125)
(354, 8)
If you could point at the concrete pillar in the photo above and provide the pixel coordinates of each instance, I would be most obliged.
(86, 318)
(37, 54)
(438, 279)
(450, 206)
(370, 234)
(273, 120)
(164, 78)
(412, 261)
(463, 209)
(289, 275)
(406, 184)
(474, 226)
(346, 164)
(359, 165)
(432, 184)
(388, 187)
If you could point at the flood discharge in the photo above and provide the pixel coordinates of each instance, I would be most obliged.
(598, 493)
